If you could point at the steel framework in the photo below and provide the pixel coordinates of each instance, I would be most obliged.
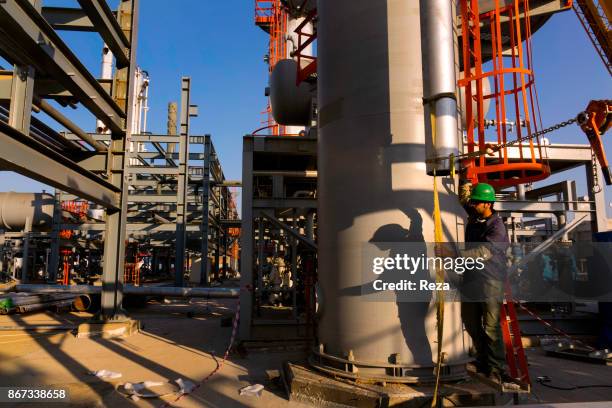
(30, 42)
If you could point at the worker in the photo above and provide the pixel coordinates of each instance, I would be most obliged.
(483, 290)
(486, 237)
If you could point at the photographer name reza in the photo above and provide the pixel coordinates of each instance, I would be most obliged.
(421, 263)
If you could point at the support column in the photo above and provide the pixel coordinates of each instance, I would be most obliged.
(53, 265)
(181, 203)
(114, 236)
(25, 264)
(246, 242)
(596, 192)
(22, 92)
(204, 276)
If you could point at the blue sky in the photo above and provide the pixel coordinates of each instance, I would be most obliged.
(217, 44)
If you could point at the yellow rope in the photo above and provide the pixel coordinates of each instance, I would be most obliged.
(438, 237)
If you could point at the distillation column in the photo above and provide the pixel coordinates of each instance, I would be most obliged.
(372, 184)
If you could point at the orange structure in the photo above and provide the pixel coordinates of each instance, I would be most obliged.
(271, 17)
(75, 208)
(513, 96)
(307, 64)
(595, 16)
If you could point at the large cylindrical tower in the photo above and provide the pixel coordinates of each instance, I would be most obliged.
(372, 184)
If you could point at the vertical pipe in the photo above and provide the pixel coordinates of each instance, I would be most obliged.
(310, 226)
(520, 192)
(107, 73)
(171, 125)
(439, 83)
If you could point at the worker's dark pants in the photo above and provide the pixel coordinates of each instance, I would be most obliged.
(482, 322)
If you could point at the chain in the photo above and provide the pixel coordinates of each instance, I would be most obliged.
(513, 142)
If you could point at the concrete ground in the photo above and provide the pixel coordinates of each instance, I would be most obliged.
(169, 346)
(178, 340)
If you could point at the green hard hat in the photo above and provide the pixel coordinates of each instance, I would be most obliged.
(483, 192)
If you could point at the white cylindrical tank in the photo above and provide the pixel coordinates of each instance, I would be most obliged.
(300, 6)
(16, 208)
(373, 184)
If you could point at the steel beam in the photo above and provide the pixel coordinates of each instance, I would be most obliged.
(246, 242)
(67, 19)
(285, 203)
(229, 183)
(204, 276)
(153, 170)
(132, 227)
(535, 206)
(31, 158)
(148, 138)
(115, 233)
(152, 198)
(28, 39)
(289, 229)
(107, 25)
(22, 94)
(181, 202)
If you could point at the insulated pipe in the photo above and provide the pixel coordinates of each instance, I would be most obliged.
(171, 125)
(170, 291)
(61, 119)
(520, 192)
(439, 83)
(107, 73)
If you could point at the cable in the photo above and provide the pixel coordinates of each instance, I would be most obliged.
(544, 381)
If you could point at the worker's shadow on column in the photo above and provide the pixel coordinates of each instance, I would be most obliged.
(412, 305)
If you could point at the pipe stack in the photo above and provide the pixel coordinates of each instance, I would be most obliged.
(23, 303)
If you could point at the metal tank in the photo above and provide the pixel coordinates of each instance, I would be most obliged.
(17, 208)
(291, 103)
(372, 184)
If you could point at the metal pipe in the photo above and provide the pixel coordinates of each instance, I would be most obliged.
(61, 119)
(170, 291)
(520, 192)
(41, 306)
(27, 300)
(305, 173)
(439, 84)
(545, 245)
(107, 73)
(43, 133)
(82, 303)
